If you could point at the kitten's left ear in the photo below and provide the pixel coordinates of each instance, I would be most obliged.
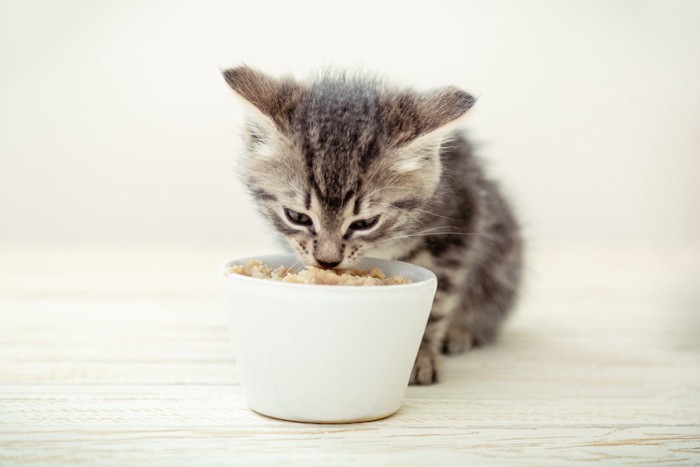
(274, 98)
(443, 106)
(411, 116)
(417, 124)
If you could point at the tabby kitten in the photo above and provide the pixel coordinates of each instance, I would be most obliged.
(345, 167)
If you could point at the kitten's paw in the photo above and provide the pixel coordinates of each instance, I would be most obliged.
(426, 369)
(457, 340)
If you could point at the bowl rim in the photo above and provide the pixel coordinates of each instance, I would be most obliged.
(432, 278)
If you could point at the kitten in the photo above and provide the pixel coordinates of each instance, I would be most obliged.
(344, 167)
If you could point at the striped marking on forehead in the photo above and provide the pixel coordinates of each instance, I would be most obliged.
(339, 128)
(339, 199)
(334, 203)
(357, 205)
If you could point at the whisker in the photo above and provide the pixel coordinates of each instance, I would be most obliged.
(295, 264)
(439, 228)
(435, 214)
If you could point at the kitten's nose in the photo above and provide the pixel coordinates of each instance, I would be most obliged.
(327, 264)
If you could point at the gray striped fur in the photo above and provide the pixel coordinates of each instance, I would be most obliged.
(342, 149)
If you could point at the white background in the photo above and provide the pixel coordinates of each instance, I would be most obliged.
(116, 127)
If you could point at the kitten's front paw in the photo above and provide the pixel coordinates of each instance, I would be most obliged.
(457, 340)
(426, 369)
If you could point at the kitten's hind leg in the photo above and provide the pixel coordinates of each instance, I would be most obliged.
(490, 296)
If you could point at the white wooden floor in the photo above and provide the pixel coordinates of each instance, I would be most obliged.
(122, 357)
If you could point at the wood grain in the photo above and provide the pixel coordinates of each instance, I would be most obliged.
(121, 357)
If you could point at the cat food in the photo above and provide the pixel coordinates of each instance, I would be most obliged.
(255, 268)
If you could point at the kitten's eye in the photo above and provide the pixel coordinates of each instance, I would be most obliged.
(297, 217)
(364, 224)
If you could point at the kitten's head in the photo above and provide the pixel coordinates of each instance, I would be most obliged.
(342, 165)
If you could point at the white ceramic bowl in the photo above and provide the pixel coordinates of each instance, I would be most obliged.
(326, 353)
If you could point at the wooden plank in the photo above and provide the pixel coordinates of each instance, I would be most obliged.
(413, 446)
(175, 425)
(223, 405)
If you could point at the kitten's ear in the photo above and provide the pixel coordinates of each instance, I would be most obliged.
(443, 106)
(411, 116)
(417, 125)
(275, 99)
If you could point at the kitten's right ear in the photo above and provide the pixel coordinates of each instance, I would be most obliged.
(275, 99)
